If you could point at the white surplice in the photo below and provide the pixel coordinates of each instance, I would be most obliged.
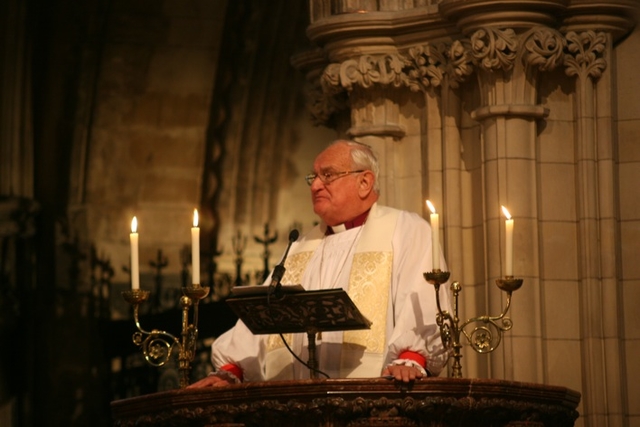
(381, 266)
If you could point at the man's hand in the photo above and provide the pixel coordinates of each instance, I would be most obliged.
(402, 373)
(210, 381)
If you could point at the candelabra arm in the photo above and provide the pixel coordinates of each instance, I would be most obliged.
(136, 318)
(487, 337)
(484, 338)
(506, 322)
(157, 345)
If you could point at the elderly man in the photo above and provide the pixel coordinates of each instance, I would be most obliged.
(375, 253)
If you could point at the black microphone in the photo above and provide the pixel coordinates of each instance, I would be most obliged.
(278, 270)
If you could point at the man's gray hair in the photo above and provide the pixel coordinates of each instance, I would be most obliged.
(363, 157)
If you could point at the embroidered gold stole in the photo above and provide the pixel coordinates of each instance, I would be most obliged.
(369, 278)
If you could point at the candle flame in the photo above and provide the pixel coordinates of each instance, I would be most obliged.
(195, 217)
(134, 225)
(431, 207)
(506, 212)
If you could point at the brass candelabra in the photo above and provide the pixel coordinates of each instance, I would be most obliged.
(481, 338)
(158, 345)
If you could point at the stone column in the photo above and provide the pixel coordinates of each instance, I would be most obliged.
(588, 55)
(591, 35)
(16, 133)
(508, 66)
(376, 92)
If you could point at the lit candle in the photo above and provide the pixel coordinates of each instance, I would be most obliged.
(135, 270)
(435, 236)
(195, 250)
(508, 239)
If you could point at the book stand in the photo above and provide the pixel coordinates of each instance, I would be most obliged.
(291, 309)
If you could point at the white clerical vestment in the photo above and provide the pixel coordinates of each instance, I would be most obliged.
(380, 264)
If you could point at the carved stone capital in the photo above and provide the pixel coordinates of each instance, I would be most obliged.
(367, 70)
(543, 48)
(584, 54)
(494, 49)
(427, 66)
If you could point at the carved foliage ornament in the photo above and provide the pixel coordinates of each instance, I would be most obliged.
(584, 57)
(543, 48)
(366, 71)
(494, 49)
(428, 66)
(425, 67)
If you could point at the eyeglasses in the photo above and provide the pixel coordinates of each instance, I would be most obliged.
(328, 177)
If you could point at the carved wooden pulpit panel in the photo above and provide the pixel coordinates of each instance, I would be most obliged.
(433, 402)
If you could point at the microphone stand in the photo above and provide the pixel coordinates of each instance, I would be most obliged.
(275, 289)
(279, 270)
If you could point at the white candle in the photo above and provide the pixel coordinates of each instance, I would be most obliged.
(135, 268)
(195, 250)
(508, 239)
(435, 236)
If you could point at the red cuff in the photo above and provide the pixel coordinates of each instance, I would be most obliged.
(416, 357)
(234, 369)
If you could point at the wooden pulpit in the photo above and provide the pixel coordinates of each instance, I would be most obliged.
(433, 402)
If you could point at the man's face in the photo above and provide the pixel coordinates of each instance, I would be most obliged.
(335, 201)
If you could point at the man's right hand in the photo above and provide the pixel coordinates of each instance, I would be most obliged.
(210, 381)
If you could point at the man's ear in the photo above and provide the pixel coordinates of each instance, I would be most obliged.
(365, 184)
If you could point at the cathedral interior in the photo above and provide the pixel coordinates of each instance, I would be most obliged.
(113, 109)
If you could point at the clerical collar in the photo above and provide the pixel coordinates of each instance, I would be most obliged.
(348, 225)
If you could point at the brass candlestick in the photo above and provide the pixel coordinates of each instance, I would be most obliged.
(157, 345)
(482, 339)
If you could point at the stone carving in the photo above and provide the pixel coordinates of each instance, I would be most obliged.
(494, 49)
(321, 105)
(425, 67)
(543, 48)
(584, 57)
(368, 70)
(428, 66)
(460, 64)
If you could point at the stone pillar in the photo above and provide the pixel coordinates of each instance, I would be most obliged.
(16, 133)
(589, 54)
(591, 35)
(376, 92)
(508, 71)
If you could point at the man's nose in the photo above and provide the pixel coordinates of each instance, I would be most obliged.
(316, 184)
